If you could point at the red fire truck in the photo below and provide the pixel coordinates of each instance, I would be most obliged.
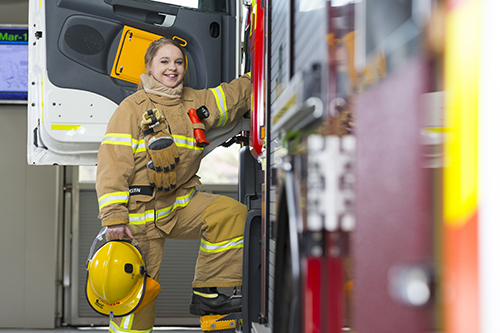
(369, 196)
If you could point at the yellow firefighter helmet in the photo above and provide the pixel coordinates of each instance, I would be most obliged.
(116, 279)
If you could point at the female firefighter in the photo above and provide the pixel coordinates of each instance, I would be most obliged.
(146, 177)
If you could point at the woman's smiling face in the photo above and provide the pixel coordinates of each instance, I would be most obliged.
(167, 66)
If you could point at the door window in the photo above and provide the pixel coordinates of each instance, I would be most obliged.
(208, 5)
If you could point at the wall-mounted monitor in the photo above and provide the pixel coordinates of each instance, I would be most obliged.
(13, 64)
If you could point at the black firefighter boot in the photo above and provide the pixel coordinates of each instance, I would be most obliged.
(208, 300)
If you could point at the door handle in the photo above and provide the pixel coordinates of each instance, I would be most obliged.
(160, 19)
(160, 15)
(412, 284)
(148, 6)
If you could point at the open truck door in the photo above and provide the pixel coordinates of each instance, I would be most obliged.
(86, 56)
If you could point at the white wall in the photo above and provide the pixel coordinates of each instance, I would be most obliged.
(28, 218)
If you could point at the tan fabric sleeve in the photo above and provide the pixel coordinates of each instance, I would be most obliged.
(228, 102)
(115, 164)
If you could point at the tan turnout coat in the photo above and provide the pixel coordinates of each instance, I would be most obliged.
(122, 182)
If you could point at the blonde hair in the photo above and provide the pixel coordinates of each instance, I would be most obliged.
(156, 45)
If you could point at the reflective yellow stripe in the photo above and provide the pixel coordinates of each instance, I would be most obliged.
(252, 19)
(222, 246)
(113, 327)
(142, 218)
(205, 295)
(127, 321)
(55, 127)
(179, 202)
(117, 139)
(114, 197)
(185, 142)
(220, 98)
(138, 146)
(121, 139)
(149, 215)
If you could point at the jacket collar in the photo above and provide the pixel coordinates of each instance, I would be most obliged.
(159, 93)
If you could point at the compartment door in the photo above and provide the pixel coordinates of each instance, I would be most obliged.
(75, 46)
(397, 184)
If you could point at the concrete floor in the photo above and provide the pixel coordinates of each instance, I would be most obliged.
(97, 330)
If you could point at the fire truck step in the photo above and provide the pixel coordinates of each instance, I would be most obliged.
(226, 323)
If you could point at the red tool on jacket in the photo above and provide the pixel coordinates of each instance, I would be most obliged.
(199, 130)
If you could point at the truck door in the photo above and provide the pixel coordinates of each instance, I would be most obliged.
(85, 57)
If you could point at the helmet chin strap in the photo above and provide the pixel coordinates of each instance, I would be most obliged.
(135, 242)
(99, 237)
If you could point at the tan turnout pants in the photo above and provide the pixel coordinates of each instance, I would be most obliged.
(219, 222)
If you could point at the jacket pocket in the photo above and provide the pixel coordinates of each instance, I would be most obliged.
(139, 196)
(141, 208)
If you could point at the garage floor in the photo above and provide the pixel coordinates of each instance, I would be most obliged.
(98, 330)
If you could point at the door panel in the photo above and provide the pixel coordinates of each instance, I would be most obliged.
(394, 204)
(73, 48)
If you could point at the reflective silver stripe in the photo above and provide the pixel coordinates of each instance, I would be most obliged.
(142, 218)
(185, 142)
(179, 202)
(127, 321)
(113, 327)
(122, 139)
(149, 215)
(220, 98)
(222, 246)
(114, 197)
(117, 139)
(138, 146)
